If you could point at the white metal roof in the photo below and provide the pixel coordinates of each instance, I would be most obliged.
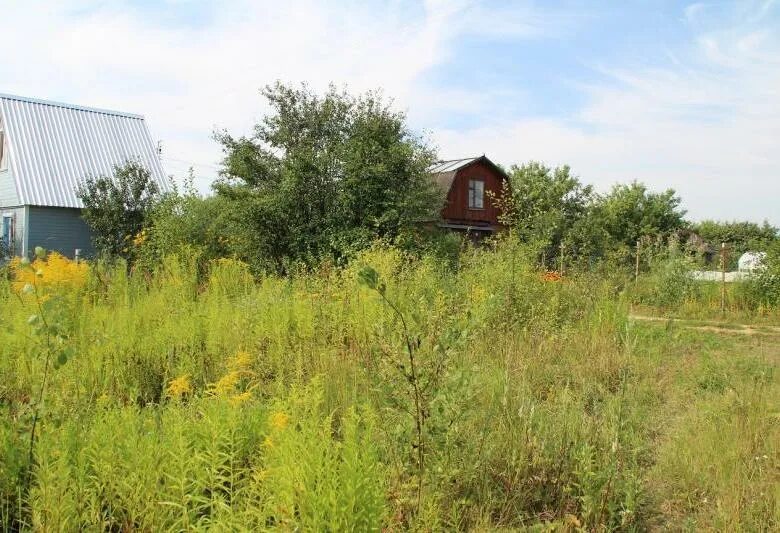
(451, 165)
(52, 147)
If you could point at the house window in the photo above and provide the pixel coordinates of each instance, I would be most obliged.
(3, 158)
(6, 242)
(476, 194)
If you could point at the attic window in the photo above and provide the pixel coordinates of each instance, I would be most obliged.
(476, 194)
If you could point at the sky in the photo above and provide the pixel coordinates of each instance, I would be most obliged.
(682, 95)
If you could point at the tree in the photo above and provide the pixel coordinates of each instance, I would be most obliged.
(548, 207)
(741, 236)
(630, 212)
(117, 207)
(324, 175)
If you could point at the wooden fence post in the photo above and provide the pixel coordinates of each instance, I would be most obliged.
(636, 267)
(723, 278)
(561, 259)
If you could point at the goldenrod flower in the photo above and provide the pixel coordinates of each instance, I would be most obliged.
(227, 383)
(240, 361)
(139, 238)
(179, 387)
(242, 398)
(51, 270)
(278, 420)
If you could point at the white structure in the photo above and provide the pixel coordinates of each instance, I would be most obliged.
(717, 275)
(751, 261)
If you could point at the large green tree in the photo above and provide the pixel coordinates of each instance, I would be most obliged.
(631, 212)
(117, 207)
(551, 208)
(325, 174)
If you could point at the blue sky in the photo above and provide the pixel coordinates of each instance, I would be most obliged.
(675, 94)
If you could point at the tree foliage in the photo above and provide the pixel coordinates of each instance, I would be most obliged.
(631, 211)
(325, 174)
(553, 209)
(117, 207)
(741, 237)
(546, 206)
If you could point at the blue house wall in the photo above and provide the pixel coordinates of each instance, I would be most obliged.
(58, 228)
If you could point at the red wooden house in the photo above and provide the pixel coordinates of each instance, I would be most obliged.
(469, 207)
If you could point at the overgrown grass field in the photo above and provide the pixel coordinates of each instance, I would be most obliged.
(397, 393)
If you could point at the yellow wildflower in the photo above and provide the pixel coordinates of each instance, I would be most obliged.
(241, 398)
(240, 361)
(278, 420)
(227, 383)
(139, 238)
(52, 270)
(179, 387)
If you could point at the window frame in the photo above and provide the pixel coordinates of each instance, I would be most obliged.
(472, 194)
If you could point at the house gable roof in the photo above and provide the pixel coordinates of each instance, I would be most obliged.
(53, 147)
(444, 172)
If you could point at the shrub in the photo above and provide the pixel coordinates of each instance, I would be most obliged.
(669, 283)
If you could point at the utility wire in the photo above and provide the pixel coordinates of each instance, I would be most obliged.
(190, 163)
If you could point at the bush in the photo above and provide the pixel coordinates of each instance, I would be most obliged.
(669, 284)
(764, 286)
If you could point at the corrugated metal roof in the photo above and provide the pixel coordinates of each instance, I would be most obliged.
(53, 147)
(443, 172)
(451, 165)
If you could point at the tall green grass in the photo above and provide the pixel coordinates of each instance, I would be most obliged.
(541, 403)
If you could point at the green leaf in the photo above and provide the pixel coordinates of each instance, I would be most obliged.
(63, 356)
(370, 278)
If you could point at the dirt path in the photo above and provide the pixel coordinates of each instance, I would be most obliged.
(713, 326)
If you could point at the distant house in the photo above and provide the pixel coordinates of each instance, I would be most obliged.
(467, 182)
(696, 245)
(46, 150)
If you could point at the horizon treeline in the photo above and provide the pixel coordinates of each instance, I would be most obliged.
(322, 176)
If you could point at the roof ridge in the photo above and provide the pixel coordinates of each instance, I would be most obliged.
(77, 107)
(459, 159)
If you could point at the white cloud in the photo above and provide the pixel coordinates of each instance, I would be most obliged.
(188, 79)
(708, 126)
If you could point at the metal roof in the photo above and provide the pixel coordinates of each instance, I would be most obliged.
(52, 147)
(451, 165)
